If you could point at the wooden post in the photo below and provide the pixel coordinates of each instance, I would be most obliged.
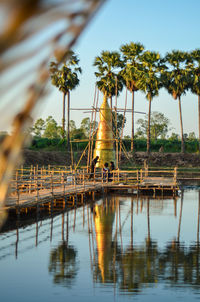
(117, 154)
(94, 174)
(141, 175)
(34, 177)
(31, 176)
(175, 175)
(75, 197)
(49, 170)
(84, 180)
(63, 183)
(137, 177)
(37, 189)
(22, 171)
(17, 189)
(51, 184)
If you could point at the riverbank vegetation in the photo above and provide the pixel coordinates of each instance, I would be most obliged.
(48, 135)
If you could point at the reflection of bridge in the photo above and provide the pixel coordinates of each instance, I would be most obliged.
(130, 266)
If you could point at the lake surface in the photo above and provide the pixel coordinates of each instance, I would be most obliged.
(118, 249)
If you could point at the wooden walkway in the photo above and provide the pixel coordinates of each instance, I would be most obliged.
(32, 187)
(45, 195)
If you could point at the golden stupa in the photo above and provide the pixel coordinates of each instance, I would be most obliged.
(104, 146)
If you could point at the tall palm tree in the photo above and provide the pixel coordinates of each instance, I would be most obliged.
(66, 79)
(131, 56)
(149, 81)
(176, 81)
(108, 65)
(195, 80)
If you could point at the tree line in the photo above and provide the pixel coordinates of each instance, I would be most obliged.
(47, 134)
(136, 69)
(49, 128)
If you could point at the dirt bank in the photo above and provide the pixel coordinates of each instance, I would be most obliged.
(157, 159)
(154, 159)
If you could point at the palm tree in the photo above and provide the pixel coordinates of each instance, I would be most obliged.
(109, 79)
(66, 79)
(149, 81)
(176, 81)
(131, 56)
(195, 80)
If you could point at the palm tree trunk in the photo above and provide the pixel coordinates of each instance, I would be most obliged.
(111, 103)
(132, 135)
(181, 121)
(111, 111)
(199, 118)
(149, 128)
(63, 119)
(68, 119)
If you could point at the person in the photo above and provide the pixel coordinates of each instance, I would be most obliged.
(112, 168)
(93, 164)
(106, 172)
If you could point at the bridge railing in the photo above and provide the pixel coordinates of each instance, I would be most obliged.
(33, 179)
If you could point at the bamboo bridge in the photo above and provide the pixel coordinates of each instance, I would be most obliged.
(35, 186)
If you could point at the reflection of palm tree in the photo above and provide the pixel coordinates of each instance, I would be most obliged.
(198, 220)
(146, 265)
(142, 266)
(139, 267)
(180, 265)
(63, 264)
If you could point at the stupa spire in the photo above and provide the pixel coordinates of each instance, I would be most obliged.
(104, 146)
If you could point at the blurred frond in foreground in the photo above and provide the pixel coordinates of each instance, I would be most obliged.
(31, 33)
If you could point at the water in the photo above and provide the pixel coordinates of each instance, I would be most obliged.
(119, 249)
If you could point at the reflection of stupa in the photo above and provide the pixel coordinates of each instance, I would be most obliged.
(104, 147)
(103, 226)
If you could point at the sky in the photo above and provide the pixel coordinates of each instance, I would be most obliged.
(160, 26)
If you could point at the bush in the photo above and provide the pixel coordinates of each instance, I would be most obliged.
(140, 145)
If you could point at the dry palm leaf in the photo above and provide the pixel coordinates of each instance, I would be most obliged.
(32, 32)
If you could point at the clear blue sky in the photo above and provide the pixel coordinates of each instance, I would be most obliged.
(159, 25)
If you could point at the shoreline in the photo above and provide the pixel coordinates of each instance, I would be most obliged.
(138, 159)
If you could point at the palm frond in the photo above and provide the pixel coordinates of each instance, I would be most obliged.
(34, 31)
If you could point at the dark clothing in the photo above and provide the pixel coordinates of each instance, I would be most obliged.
(93, 164)
(112, 166)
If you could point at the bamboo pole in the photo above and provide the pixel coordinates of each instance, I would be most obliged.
(51, 176)
(91, 121)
